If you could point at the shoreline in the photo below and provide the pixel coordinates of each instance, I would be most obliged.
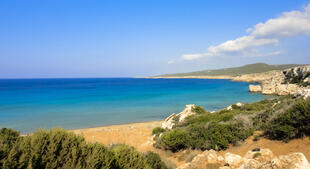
(116, 124)
(191, 77)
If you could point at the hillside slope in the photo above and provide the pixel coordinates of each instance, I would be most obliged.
(235, 71)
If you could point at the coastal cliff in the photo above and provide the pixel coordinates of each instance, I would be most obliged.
(289, 81)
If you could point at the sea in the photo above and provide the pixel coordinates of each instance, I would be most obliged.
(30, 104)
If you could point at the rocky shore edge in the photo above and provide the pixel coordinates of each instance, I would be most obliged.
(287, 82)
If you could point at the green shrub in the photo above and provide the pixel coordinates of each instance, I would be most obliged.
(199, 110)
(128, 158)
(293, 123)
(59, 149)
(219, 136)
(154, 161)
(256, 155)
(48, 149)
(8, 138)
(218, 130)
(175, 140)
(98, 156)
(198, 136)
(157, 130)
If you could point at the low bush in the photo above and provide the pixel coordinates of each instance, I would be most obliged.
(59, 149)
(175, 140)
(219, 136)
(197, 136)
(277, 117)
(128, 158)
(293, 123)
(157, 131)
(199, 110)
(8, 137)
(256, 155)
(154, 161)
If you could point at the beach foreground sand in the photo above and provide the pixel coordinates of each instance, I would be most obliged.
(138, 135)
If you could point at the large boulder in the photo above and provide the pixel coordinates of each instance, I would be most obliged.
(188, 111)
(305, 93)
(174, 118)
(169, 122)
(200, 161)
(233, 160)
(254, 159)
(255, 88)
(239, 104)
(291, 161)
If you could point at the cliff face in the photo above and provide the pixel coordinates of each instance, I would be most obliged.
(289, 81)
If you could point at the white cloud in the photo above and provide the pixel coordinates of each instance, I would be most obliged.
(192, 56)
(262, 34)
(244, 43)
(288, 24)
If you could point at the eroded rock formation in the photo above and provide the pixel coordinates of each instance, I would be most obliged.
(289, 81)
(174, 118)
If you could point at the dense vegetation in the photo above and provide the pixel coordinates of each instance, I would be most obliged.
(293, 123)
(246, 69)
(60, 149)
(280, 118)
(298, 79)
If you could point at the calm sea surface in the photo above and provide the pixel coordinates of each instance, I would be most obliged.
(28, 104)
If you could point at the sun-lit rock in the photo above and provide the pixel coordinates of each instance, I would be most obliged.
(233, 160)
(173, 118)
(255, 88)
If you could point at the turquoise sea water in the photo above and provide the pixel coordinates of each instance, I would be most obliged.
(28, 104)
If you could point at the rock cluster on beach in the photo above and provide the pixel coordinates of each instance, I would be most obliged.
(174, 118)
(254, 159)
(277, 82)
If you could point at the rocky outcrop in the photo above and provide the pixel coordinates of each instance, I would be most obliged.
(289, 81)
(254, 159)
(304, 93)
(231, 106)
(255, 88)
(175, 118)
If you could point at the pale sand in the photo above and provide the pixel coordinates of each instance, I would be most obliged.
(277, 147)
(138, 135)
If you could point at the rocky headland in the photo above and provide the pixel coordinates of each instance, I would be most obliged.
(290, 81)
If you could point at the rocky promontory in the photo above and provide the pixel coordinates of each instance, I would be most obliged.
(289, 81)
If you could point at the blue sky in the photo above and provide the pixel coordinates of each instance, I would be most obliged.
(121, 38)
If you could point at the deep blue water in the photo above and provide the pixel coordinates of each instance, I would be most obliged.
(28, 104)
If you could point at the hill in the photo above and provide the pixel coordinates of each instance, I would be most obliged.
(235, 71)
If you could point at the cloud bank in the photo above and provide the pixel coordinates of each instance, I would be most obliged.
(288, 24)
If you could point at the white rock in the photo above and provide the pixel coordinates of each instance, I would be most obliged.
(291, 161)
(233, 160)
(255, 88)
(170, 121)
(188, 111)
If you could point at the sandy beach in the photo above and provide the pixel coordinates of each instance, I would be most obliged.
(138, 135)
